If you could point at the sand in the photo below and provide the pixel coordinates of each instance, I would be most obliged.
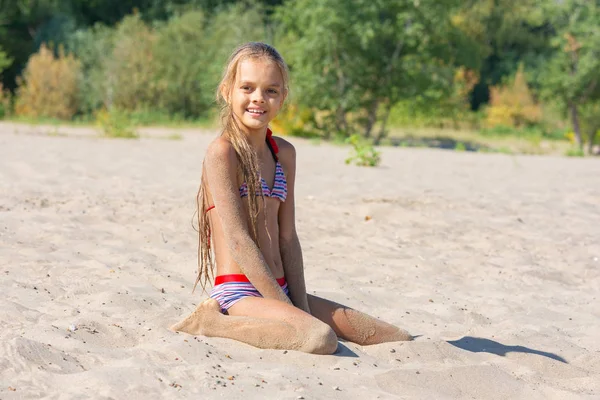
(493, 260)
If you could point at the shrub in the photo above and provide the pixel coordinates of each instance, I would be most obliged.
(116, 123)
(131, 69)
(49, 86)
(296, 121)
(513, 104)
(460, 146)
(363, 154)
(94, 47)
(169, 68)
(179, 55)
(575, 152)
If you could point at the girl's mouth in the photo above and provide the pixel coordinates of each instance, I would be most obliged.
(256, 112)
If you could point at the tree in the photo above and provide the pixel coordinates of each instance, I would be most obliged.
(507, 33)
(572, 72)
(352, 61)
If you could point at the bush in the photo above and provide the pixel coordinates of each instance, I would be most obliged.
(169, 68)
(364, 154)
(180, 59)
(513, 104)
(575, 152)
(94, 47)
(49, 86)
(296, 121)
(116, 124)
(132, 68)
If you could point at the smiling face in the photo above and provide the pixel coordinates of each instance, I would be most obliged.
(257, 94)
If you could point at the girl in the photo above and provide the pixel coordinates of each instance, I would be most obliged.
(246, 219)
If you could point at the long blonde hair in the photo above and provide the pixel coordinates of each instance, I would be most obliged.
(247, 157)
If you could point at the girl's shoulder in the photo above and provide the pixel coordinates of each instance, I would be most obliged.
(286, 149)
(219, 151)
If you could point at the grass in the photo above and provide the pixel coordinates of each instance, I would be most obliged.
(174, 136)
(574, 152)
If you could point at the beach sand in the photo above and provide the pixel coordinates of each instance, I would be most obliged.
(492, 260)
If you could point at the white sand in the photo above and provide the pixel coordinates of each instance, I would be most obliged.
(492, 259)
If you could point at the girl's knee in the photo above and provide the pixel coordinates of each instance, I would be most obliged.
(320, 339)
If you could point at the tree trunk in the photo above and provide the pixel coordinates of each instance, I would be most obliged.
(592, 139)
(340, 120)
(383, 131)
(372, 118)
(576, 128)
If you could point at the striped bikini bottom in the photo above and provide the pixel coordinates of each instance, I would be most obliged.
(229, 289)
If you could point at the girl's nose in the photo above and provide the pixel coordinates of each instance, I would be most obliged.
(258, 97)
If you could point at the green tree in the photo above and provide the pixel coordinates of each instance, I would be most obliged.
(572, 72)
(180, 58)
(352, 61)
(5, 60)
(508, 33)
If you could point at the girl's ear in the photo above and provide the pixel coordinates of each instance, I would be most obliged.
(224, 90)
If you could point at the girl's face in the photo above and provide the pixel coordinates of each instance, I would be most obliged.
(257, 94)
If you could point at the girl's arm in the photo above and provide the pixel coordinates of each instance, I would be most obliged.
(289, 245)
(221, 170)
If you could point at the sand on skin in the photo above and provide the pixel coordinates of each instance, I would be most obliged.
(492, 259)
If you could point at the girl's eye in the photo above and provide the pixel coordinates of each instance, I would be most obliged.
(273, 91)
(246, 88)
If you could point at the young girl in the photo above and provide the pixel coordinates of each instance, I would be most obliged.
(246, 219)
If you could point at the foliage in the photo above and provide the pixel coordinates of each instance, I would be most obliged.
(513, 104)
(116, 123)
(590, 124)
(179, 58)
(450, 111)
(571, 74)
(354, 62)
(460, 146)
(170, 68)
(363, 153)
(94, 47)
(5, 103)
(296, 120)
(5, 60)
(130, 70)
(5, 97)
(357, 66)
(575, 152)
(507, 33)
(49, 87)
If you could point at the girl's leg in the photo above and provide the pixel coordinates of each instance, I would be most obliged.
(353, 325)
(263, 323)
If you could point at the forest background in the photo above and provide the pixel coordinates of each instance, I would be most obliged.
(486, 75)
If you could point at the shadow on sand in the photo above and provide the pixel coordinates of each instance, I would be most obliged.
(480, 345)
(344, 351)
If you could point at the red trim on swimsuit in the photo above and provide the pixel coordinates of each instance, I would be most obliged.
(240, 278)
(272, 143)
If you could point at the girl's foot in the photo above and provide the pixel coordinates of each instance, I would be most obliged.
(205, 314)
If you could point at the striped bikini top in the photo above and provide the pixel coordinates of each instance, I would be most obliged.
(279, 189)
